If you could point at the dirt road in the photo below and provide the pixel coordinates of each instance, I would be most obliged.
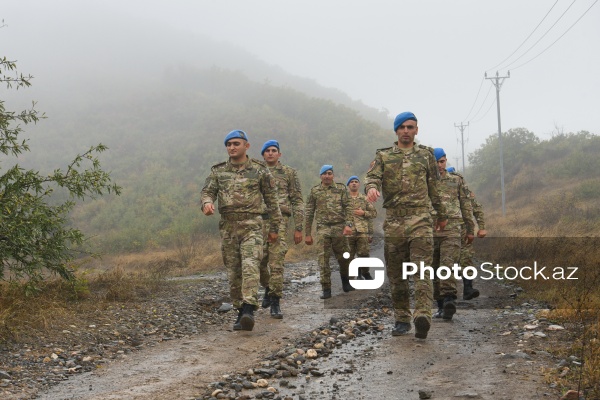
(471, 357)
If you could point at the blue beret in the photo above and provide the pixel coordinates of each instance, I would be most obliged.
(353, 177)
(268, 144)
(400, 118)
(438, 152)
(451, 169)
(237, 134)
(326, 168)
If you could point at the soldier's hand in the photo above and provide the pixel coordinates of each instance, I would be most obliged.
(372, 195)
(481, 233)
(297, 237)
(272, 238)
(441, 225)
(347, 231)
(470, 239)
(359, 211)
(308, 240)
(370, 239)
(208, 209)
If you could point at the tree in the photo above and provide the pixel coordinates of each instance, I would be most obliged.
(35, 236)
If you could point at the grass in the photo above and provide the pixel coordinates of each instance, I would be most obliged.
(558, 228)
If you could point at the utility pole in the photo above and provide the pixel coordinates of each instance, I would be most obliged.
(498, 81)
(462, 142)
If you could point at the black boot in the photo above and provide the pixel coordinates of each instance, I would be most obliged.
(346, 286)
(266, 302)
(449, 308)
(367, 275)
(275, 310)
(422, 326)
(440, 311)
(237, 326)
(468, 291)
(401, 328)
(247, 319)
(326, 294)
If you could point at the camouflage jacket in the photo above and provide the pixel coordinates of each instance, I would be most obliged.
(289, 193)
(406, 178)
(364, 223)
(451, 188)
(244, 190)
(477, 208)
(327, 205)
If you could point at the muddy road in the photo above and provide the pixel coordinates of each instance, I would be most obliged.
(480, 354)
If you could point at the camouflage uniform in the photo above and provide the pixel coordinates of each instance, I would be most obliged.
(329, 206)
(407, 179)
(466, 251)
(363, 226)
(447, 243)
(242, 195)
(290, 201)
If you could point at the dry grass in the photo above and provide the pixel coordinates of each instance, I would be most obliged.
(558, 229)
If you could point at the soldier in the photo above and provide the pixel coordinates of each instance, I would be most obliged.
(328, 204)
(363, 214)
(446, 243)
(290, 202)
(407, 175)
(467, 251)
(242, 186)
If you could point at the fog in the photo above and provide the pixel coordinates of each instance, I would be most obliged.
(428, 57)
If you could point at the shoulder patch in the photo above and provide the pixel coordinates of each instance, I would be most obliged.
(219, 164)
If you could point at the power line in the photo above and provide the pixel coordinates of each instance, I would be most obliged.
(543, 36)
(487, 112)
(482, 103)
(526, 39)
(475, 102)
(552, 44)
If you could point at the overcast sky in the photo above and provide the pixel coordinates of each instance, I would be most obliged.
(428, 57)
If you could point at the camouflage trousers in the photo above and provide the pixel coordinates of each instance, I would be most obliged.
(242, 247)
(466, 252)
(271, 266)
(330, 238)
(409, 239)
(359, 245)
(446, 252)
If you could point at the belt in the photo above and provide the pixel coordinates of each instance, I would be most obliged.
(403, 212)
(333, 223)
(239, 216)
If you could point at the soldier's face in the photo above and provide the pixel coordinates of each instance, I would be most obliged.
(327, 178)
(236, 148)
(406, 133)
(271, 155)
(353, 186)
(442, 165)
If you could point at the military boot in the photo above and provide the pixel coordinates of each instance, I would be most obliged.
(366, 274)
(401, 328)
(448, 308)
(326, 294)
(247, 319)
(422, 326)
(275, 310)
(266, 302)
(346, 286)
(236, 325)
(440, 312)
(469, 292)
